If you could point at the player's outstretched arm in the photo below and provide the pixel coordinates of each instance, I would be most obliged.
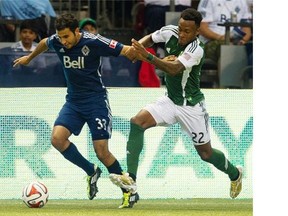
(170, 64)
(25, 60)
(129, 52)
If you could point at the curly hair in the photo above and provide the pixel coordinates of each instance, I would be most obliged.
(192, 14)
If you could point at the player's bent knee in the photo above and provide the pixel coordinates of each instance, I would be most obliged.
(58, 143)
(205, 156)
(103, 155)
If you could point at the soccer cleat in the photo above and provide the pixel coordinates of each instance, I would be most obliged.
(92, 188)
(124, 181)
(236, 186)
(129, 199)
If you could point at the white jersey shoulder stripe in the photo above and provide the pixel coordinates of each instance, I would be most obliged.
(103, 39)
(89, 35)
(172, 28)
(193, 45)
(98, 37)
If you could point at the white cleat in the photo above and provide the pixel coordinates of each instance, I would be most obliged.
(124, 181)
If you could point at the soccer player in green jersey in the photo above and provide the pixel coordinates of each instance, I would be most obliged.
(183, 104)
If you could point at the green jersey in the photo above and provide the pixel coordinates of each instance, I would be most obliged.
(184, 88)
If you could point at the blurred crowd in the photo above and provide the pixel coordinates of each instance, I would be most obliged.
(34, 20)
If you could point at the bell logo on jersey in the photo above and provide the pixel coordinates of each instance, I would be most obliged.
(79, 63)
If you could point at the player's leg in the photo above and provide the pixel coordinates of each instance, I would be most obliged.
(134, 147)
(218, 159)
(100, 122)
(72, 154)
(159, 113)
(195, 121)
(67, 123)
(127, 185)
(100, 125)
(106, 157)
(138, 125)
(135, 143)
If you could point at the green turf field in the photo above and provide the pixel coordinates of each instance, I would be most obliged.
(165, 207)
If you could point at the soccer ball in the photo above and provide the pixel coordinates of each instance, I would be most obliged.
(35, 194)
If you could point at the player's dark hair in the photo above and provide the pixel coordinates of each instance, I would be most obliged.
(66, 21)
(192, 14)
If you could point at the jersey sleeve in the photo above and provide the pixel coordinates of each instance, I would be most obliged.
(191, 56)
(49, 42)
(109, 47)
(164, 33)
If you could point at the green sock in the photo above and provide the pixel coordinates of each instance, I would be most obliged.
(219, 160)
(134, 147)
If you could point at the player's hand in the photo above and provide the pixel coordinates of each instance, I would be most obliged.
(24, 60)
(130, 54)
(140, 50)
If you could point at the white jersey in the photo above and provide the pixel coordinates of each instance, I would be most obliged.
(183, 88)
(18, 46)
(219, 11)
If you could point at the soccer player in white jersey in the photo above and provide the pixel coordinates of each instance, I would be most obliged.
(86, 99)
(183, 104)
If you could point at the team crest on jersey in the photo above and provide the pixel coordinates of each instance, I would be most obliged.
(113, 44)
(85, 50)
(62, 50)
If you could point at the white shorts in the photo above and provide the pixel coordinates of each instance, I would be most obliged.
(194, 120)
